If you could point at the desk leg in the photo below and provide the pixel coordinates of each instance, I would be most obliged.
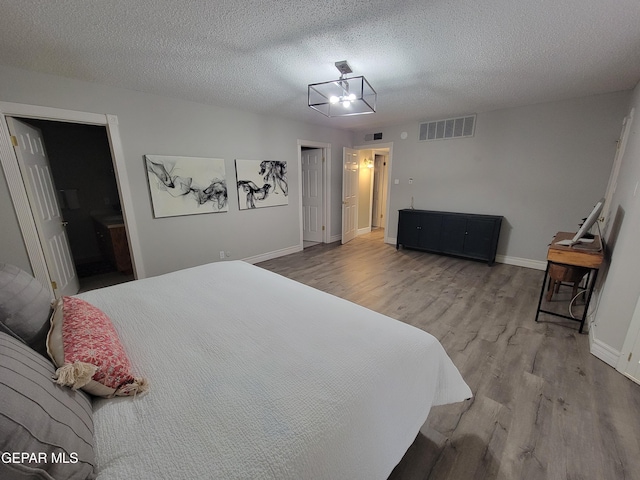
(544, 282)
(586, 305)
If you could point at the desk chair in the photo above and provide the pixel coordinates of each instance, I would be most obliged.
(559, 274)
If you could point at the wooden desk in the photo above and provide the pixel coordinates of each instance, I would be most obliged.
(588, 255)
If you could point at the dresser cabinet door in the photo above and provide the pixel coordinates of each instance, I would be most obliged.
(430, 232)
(409, 226)
(478, 238)
(454, 228)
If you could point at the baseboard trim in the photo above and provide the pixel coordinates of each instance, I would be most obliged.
(601, 350)
(335, 238)
(521, 262)
(263, 257)
(517, 261)
(633, 379)
(362, 231)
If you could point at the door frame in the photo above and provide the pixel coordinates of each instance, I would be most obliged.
(326, 187)
(18, 193)
(383, 146)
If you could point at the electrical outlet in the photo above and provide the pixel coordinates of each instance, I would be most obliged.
(228, 253)
(410, 181)
(221, 254)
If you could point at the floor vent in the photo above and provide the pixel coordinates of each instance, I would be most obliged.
(448, 128)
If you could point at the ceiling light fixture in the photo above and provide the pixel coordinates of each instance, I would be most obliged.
(343, 97)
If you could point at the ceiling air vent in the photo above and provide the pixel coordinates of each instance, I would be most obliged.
(448, 128)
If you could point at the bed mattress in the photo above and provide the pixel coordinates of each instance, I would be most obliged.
(255, 376)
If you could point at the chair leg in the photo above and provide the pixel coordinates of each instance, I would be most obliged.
(552, 284)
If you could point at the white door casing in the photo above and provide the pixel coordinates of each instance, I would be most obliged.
(312, 200)
(350, 184)
(41, 191)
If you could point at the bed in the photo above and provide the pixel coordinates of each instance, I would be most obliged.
(253, 375)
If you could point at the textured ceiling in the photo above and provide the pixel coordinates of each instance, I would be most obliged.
(426, 59)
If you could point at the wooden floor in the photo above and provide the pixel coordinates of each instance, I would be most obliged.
(543, 406)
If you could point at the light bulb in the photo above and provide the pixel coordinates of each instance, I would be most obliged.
(346, 104)
(352, 97)
(334, 99)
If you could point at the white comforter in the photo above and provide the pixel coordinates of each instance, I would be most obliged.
(255, 376)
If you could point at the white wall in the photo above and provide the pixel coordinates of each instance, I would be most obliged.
(621, 288)
(542, 167)
(152, 124)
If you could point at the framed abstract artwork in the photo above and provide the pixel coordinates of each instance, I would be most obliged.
(186, 185)
(261, 183)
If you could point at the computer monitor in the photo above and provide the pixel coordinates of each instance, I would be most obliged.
(580, 235)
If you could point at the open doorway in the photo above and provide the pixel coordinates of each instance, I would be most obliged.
(373, 188)
(379, 190)
(21, 204)
(87, 192)
(379, 195)
(314, 163)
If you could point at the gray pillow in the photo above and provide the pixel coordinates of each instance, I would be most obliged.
(50, 423)
(25, 306)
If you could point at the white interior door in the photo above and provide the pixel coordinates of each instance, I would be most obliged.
(629, 362)
(605, 217)
(36, 173)
(312, 201)
(350, 172)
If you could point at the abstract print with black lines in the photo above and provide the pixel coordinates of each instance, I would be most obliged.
(275, 173)
(254, 192)
(178, 186)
